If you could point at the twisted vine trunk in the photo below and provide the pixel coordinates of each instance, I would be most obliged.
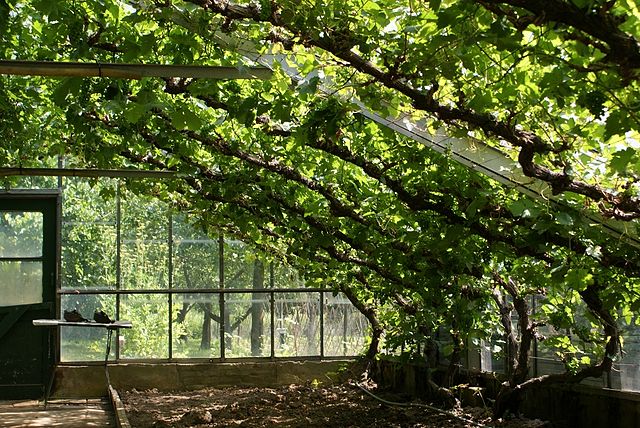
(512, 391)
(369, 313)
(517, 353)
(454, 359)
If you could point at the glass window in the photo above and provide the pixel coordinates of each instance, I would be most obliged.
(89, 234)
(238, 264)
(112, 237)
(195, 257)
(20, 234)
(149, 336)
(626, 371)
(31, 182)
(297, 324)
(88, 256)
(629, 367)
(86, 343)
(345, 328)
(20, 282)
(145, 243)
(286, 277)
(144, 265)
(196, 325)
(247, 325)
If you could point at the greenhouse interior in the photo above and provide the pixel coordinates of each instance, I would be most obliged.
(366, 213)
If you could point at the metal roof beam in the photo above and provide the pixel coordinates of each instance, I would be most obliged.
(95, 173)
(130, 71)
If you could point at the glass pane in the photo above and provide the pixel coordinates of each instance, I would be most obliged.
(88, 255)
(145, 243)
(149, 337)
(86, 343)
(89, 234)
(555, 357)
(629, 366)
(20, 234)
(196, 326)
(546, 359)
(486, 360)
(32, 182)
(498, 348)
(247, 322)
(345, 328)
(89, 201)
(238, 264)
(297, 324)
(144, 265)
(144, 218)
(20, 283)
(195, 257)
(286, 277)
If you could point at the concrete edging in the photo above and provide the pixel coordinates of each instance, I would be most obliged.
(118, 409)
(88, 381)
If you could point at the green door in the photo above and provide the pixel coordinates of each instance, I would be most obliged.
(27, 292)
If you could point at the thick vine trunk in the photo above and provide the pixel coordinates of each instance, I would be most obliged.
(369, 313)
(454, 359)
(511, 393)
(432, 357)
(518, 353)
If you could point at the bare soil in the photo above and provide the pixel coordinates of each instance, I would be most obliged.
(343, 405)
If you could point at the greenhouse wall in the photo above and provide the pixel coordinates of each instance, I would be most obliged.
(176, 376)
(189, 295)
(489, 356)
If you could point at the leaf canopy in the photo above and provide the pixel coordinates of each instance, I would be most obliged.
(295, 166)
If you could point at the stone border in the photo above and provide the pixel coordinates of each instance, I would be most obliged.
(88, 381)
(118, 409)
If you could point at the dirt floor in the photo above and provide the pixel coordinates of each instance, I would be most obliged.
(343, 405)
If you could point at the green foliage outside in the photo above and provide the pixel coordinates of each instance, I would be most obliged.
(91, 261)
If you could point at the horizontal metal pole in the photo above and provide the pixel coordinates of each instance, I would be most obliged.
(75, 172)
(130, 71)
(21, 259)
(121, 291)
(205, 360)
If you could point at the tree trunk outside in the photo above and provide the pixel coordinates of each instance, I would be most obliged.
(312, 328)
(182, 315)
(228, 344)
(205, 341)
